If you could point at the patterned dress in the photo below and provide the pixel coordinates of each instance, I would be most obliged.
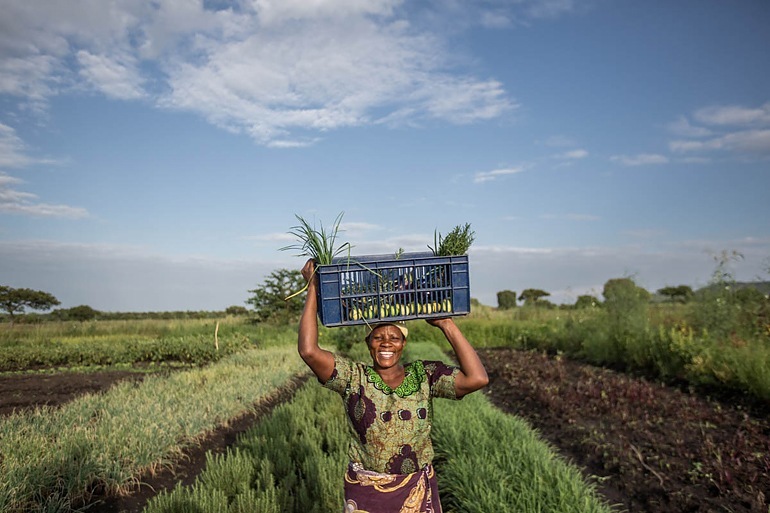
(390, 444)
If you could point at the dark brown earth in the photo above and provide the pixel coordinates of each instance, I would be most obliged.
(651, 447)
(648, 447)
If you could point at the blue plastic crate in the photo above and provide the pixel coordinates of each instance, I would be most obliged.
(368, 289)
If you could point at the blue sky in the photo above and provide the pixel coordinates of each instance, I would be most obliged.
(153, 154)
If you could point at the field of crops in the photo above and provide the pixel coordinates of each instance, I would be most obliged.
(191, 378)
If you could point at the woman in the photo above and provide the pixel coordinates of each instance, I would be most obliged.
(389, 408)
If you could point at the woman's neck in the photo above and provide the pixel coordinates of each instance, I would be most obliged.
(392, 376)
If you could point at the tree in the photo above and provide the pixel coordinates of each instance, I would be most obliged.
(14, 301)
(680, 294)
(586, 301)
(624, 289)
(269, 298)
(236, 310)
(506, 299)
(532, 296)
(82, 313)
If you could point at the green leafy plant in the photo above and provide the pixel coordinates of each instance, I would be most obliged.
(317, 243)
(456, 242)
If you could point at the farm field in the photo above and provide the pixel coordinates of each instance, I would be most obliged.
(653, 448)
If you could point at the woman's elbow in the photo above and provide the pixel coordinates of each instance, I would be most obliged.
(472, 385)
(480, 382)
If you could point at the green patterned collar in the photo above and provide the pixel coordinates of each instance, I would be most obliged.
(414, 374)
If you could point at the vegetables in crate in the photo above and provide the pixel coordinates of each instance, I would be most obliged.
(318, 244)
(456, 242)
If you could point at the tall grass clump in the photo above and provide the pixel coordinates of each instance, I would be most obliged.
(621, 330)
(52, 459)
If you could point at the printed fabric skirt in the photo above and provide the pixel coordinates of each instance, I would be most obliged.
(372, 492)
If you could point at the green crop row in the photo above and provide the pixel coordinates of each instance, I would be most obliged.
(294, 461)
(53, 459)
(667, 350)
(192, 342)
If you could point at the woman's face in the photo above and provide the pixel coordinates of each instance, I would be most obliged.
(386, 343)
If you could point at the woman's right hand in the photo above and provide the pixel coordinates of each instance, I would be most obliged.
(308, 271)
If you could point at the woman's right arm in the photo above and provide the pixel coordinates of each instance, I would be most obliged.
(320, 361)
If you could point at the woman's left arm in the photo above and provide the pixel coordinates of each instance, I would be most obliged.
(472, 375)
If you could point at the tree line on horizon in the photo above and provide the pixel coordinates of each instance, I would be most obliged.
(269, 304)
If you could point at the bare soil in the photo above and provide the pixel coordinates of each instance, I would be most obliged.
(651, 448)
(648, 447)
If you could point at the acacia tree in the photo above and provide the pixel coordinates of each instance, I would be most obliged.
(14, 301)
(269, 300)
(680, 294)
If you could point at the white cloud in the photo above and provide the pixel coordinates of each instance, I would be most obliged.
(549, 8)
(573, 154)
(271, 69)
(13, 154)
(13, 201)
(277, 11)
(744, 131)
(743, 142)
(488, 176)
(495, 19)
(734, 115)
(642, 159)
(683, 128)
(12, 149)
(114, 79)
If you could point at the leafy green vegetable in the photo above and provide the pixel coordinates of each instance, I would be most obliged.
(456, 242)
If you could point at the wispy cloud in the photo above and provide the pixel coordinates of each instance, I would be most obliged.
(272, 69)
(737, 129)
(642, 159)
(488, 176)
(13, 154)
(573, 154)
(12, 149)
(735, 115)
(115, 79)
(683, 128)
(14, 201)
(745, 142)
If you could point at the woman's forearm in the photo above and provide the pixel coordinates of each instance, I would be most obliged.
(320, 361)
(307, 341)
(473, 375)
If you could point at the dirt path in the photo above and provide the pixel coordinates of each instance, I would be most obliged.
(652, 448)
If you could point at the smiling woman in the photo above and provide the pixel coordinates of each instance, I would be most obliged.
(389, 408)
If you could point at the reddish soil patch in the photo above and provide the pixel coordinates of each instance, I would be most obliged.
(650, 448)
